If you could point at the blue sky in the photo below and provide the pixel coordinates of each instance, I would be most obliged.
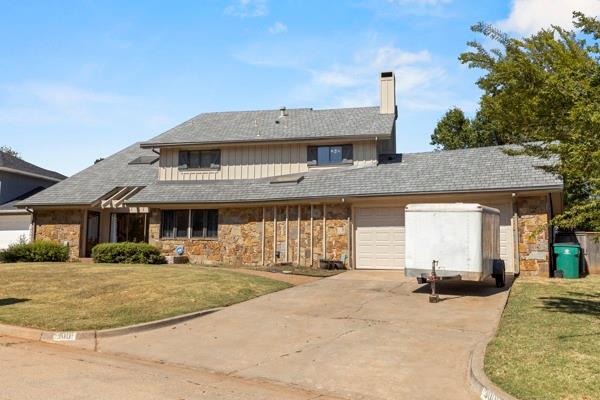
(81, 80)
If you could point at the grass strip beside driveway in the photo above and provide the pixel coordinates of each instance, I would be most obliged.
(73, 296)
(548, 343)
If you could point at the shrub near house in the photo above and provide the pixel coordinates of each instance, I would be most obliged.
(127, 253)
(38, 251)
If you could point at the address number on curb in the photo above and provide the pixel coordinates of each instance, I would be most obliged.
(64, 336)
(487, 394)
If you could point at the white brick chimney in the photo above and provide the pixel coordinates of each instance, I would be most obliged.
(387, 93)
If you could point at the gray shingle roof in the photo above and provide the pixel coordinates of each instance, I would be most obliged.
(95, 181)
(11, 162)
(472, 170)
(299, 124)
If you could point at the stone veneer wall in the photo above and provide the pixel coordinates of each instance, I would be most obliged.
(240, 236)
(534, 255)
(60, 226)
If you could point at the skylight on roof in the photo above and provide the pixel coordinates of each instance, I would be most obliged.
(144, 160)
(287, 179)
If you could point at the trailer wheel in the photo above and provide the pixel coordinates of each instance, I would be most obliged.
(500, 281)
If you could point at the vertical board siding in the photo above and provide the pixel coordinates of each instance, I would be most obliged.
(257, 161)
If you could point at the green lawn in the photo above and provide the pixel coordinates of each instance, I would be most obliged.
(71, 296)
(548, 344)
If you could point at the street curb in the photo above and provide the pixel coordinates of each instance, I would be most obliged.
(479, 381)
(477, 377)
(89, 339)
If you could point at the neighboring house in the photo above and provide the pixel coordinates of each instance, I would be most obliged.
(19, 180)
(297, 185)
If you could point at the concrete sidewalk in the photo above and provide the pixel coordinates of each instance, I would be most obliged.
(360, 335)
(34, 370)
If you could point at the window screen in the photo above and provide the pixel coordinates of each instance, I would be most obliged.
(205, 223)
(174, 223)
(328, 155)
(200, 159)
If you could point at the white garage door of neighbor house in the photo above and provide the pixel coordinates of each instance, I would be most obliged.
(12, 228)
(380, 238)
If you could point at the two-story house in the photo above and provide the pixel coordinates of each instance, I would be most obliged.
(19, 180)
(296, 186)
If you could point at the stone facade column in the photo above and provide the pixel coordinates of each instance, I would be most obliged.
(533, 219)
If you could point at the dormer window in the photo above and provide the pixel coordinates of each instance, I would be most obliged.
(199, 159)
(329, 155)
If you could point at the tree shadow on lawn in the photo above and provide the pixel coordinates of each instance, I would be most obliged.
(11, 300)
(572, 305)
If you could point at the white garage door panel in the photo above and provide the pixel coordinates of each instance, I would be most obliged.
(380, 238)
(12, 228)
(506, 234)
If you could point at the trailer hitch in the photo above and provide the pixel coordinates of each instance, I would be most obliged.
(432, 278)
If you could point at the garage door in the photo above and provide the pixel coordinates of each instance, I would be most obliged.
(506, 234)
(379, 238)
(12, 228)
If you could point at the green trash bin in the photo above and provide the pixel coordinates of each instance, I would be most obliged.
(567, 259)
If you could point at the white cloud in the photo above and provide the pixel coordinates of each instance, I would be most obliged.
(278, 27)
(248, 8)
(529, 16)
(419, 81)
(37, 102)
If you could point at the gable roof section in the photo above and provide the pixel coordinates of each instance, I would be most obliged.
(267, 125)
(95, 181)
(14, 164)
(473, 170)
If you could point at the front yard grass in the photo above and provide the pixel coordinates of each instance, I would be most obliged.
(73, 296)
(548, 343)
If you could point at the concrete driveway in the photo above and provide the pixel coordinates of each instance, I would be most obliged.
(359, 335)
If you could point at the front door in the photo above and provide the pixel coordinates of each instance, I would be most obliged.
(93, 232)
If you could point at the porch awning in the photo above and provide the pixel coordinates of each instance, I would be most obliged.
(116, 197)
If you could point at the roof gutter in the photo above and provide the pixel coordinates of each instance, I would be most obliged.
(31, 174)
(152, 145)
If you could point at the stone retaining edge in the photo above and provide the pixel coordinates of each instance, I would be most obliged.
(477, 377)
(89, 339)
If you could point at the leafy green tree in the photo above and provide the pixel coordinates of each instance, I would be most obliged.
(543, 92)
(453, 131)
(10, 150)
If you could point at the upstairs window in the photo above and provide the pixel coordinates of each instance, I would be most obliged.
(329, 155)
(199, 159)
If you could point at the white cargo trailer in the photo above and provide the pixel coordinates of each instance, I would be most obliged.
(462, 240)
